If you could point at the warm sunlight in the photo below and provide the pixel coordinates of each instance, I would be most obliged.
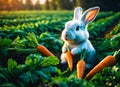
(9, 1)
(42, 1)
(34, 1)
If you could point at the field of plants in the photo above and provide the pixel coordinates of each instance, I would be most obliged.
(22, 65)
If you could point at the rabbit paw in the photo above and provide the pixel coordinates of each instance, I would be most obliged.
(64, 49)
(75, 51)
(63, 58)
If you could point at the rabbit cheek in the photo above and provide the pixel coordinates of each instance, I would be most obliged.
(82, 36)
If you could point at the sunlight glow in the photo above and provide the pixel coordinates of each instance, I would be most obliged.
(34, 1)
(9, 1)
(42, 1)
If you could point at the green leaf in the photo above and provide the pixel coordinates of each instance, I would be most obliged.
(51, 69)
(29, 77)
(117, 74)
(73, 75)
(17, 39)
(3, 77)
(60, 81)
(11, 64)
(43, 75)
(51, 60)
(116, 37)
(33, 59)
(31, 37)
(19, 43)
(28, 62)
(5, 42)
(96, 77)
(7, 85)
(45, 35)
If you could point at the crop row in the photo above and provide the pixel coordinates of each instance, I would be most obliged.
(8, 21)
(113, 32)
(43, 71)
(97, 29)
(41, 23)
(12, 18)
(32, 18)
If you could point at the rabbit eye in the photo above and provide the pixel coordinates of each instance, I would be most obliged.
(77, 28)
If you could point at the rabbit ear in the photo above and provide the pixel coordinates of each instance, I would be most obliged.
(77, 13)
(90, 14)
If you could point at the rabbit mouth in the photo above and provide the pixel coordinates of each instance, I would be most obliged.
(70, 41)
(69, 38)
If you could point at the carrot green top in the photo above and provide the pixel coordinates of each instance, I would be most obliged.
(83, 54)
(68, 49)
(32, 38)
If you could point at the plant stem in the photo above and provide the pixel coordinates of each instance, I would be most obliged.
(83, 54)
(116, 55)
(20, 51)
(68, 49)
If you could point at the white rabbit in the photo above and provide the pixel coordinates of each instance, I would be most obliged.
(76, 36)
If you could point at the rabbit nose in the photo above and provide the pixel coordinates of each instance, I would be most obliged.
(67, 34)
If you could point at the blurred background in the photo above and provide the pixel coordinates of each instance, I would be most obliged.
(105, 5)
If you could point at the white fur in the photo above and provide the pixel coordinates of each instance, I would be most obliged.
(77, 39)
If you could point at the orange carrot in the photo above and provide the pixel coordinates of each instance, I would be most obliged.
(107, 61)
(81, 65)
(69, 58)
(43, 50)
(31, 37)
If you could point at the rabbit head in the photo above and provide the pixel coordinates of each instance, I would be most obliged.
(75, 30)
